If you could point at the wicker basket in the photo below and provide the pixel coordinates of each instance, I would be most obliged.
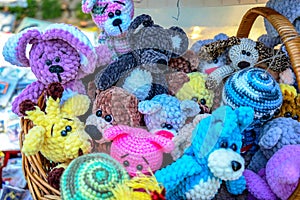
(289, 37)
(36, 168)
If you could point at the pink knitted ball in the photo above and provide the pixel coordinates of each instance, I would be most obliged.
(137, 149)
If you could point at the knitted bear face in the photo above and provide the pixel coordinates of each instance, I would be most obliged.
(113, 17)
(137, 149)
(167, 112)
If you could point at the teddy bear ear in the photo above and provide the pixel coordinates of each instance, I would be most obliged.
(189, 108)
(87, 5)
(14, 50)
(163, 139)
(78, 40)
(269, 139)
(112, 132)
(180, 41)
(149, 107)
(245, 116)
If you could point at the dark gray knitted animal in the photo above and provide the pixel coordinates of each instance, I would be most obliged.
(273, 136)
(140, 71)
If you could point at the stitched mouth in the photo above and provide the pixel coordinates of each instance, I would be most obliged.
(59, 77)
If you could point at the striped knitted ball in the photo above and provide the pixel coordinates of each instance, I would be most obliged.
(254, 88)
(92, 176)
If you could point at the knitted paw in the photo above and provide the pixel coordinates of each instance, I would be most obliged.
(54, 177)
(236, 186)
(55, 90)
(26, 105)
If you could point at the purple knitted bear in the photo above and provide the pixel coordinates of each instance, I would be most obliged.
(280, 178)
(60, 53)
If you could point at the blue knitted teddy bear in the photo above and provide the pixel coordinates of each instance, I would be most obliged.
(213, 156)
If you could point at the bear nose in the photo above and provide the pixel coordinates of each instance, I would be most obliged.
(243, 64)
(56, 69)
(236, 165)
(93, 132)
(117, 22)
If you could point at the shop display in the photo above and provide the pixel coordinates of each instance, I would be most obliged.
(142, 113)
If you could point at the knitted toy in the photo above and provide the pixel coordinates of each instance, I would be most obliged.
(92, 176)
(212, 157)
(60, 53)
(112, 107)
(195, 90)
(256, 88)
(167, 112)
(113, 18)
(137, 149)
(242, 53)
(141, 71)
(291, 102)
(280, 177)
(140, 187)
(273, 136)
(289, 9)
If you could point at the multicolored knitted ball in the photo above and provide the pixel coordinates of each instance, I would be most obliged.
(92, 176)
(254, 88)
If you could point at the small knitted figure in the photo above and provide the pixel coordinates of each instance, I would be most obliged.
(113, 18)
(212, 157)
(256, 88)
(93, 177)
(60, 53)
(195, 90)
(167, 112)
(141, 72)
(273, 136)
(280, 177)
(137, 149)
(289, 9)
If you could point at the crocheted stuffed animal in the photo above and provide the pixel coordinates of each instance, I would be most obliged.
(114, 106)
(289, 9)
(60, 53)
(242, 53)
(291, 102)
(273, 136)
(212, 157)
(167, 112)
(92, 176)
(113, 18)
(141, 71)
(280, 178)
(137, 149)
(195, 90)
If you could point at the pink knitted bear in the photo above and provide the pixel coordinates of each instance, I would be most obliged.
(137, 149)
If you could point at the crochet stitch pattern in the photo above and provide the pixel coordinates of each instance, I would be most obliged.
(255, 88)
(60, 53)
(212, 157)
(93, 177)
(137, 149)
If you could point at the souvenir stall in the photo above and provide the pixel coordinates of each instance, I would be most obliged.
(158, 100)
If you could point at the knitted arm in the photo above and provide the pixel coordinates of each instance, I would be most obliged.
(33, 141)
(217, 76)
(236, 186)
(31, 92)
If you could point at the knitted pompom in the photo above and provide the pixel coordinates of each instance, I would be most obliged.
(92, 176)
(55, 90)
(254, 88)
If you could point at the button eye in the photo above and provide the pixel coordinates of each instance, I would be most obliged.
(203, 101)
(139, 167)
(233, 147)
(248, 54)
(68, 128)
(57, 59)
(111, 15)
(126, 163)
(215, 60)
(288, 114)
(48, 62)
(99, 113)
(108, 118)
(224, 144)
(195, 99)
(118, 12)
(64, 133)
(244, 52)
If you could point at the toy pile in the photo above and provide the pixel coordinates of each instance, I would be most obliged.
(217, 121)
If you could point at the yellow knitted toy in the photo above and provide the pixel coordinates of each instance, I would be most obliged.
(58, 134)
(291, 102)
(195, 90)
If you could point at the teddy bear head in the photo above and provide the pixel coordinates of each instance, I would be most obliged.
(217, 141)
(113, 17)
(60, 53)
(167, 112)
(58, 133)
(137, 149)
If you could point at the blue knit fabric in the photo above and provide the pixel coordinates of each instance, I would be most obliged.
(182, 176)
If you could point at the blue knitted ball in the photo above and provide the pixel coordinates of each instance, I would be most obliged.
(254, 88)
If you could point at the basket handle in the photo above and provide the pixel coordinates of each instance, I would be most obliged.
(284, 27)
